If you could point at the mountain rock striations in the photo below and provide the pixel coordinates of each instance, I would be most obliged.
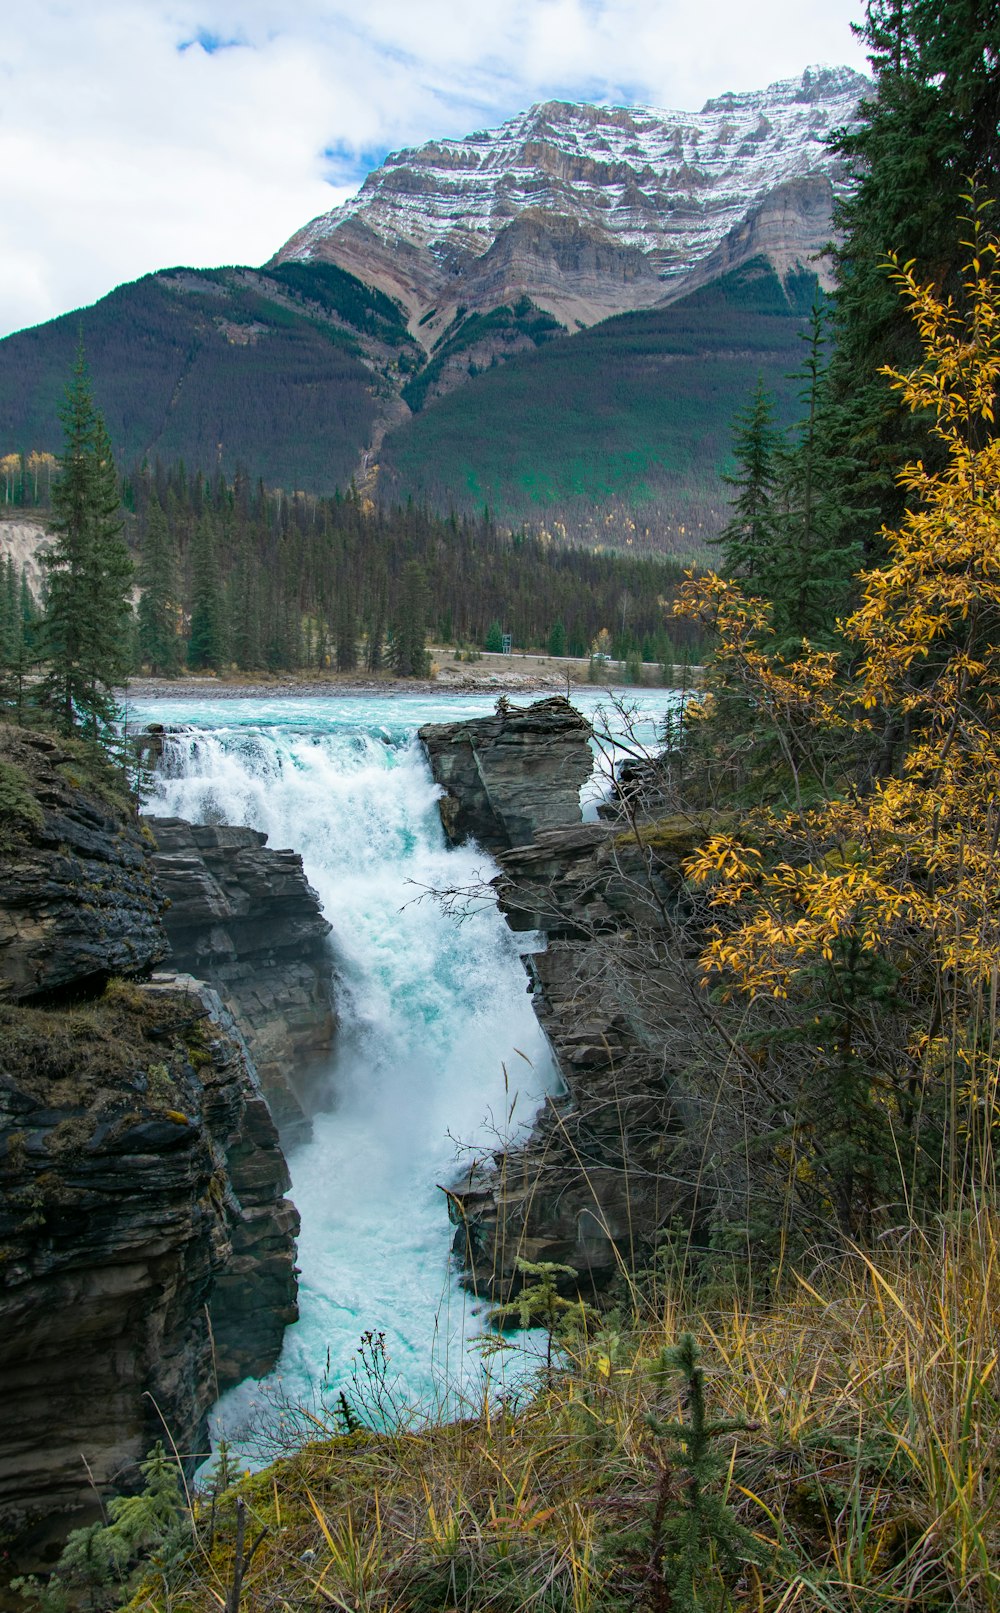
(590, 210)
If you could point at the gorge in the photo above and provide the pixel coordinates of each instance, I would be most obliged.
(433, 1080)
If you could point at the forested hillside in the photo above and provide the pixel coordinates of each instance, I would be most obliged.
(622, 433)
(616, 435)
(284, 373)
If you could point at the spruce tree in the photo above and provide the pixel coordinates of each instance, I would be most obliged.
(808, 574)
(930, 124)
(747, 540)
(159, 643)
(408, 652)
(86, 634)
(557, 639)
(206, 641)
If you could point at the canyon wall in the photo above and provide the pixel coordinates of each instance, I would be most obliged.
(244, 918)
(146, 1246)
(612, 1161)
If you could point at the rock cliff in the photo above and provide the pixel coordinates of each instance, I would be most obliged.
(244, 918)
(613, 1159)
(78, 902)
(146, 1246)
(505, 777)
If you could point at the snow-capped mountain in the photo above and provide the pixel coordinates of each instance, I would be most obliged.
(594, 210)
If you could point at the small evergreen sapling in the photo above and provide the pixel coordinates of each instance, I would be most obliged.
(540, 1304)
(695, 1538)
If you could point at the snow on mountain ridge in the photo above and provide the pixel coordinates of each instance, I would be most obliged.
(667, 185)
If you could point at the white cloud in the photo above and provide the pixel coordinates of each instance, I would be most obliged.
(126, 145)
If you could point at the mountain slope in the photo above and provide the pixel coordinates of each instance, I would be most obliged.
(620, 433)
(632, 271)
(293, 374)
(588, 210)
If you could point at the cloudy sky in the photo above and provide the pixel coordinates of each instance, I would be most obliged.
(137, 134)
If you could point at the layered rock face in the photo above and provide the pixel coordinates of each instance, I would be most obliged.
(146, 1246)
(244, 918)
(508, 776)
(143, 1216)
(78, 902)
(590, 210)
(614, 1158)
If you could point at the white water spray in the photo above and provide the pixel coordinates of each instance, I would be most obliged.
(437, 1042)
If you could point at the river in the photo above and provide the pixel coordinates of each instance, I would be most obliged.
(438, 1057)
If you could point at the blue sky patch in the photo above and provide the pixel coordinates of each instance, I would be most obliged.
(209, 42)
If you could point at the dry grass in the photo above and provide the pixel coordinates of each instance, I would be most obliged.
(871, 1467)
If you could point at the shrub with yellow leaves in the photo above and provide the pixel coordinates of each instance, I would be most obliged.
(875, 911)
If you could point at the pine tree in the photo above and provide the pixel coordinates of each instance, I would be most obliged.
(88, 611)
(408, 651)
(159, 643)
(206, 642)
(747, 540)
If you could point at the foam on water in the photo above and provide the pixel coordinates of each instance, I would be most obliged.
(438, 1045)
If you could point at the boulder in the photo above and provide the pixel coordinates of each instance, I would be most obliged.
(508, 776)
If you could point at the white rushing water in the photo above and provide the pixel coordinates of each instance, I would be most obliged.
(438, 1050)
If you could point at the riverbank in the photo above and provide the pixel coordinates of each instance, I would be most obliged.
(506, 674)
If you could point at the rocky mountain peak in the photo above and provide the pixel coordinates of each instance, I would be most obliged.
(652, 194)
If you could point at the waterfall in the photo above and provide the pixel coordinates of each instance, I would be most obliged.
(438, 1045)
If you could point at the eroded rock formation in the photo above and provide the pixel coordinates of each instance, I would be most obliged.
(244, 918)
(143, 1213)
(78, 901)
(611, 1160)
(508, 776)
(146, 1246)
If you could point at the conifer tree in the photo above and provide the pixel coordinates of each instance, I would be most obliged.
(930, 124)
(557, 639)
(86, 636)
(159, 643)
(747, 540)
(807, 575)
(408, 652)
(346, 632)
(206, 642)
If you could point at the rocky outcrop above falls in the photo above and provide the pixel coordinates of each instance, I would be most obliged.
(146, 1247)
(244, 918)
(508, 776)
(77, 900)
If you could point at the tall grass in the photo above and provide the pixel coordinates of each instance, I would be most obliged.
(868, 1471)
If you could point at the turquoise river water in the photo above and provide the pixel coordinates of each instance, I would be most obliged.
(438, 1054)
